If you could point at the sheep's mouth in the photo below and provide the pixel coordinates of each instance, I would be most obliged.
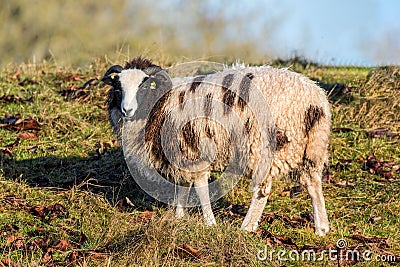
(129, 119)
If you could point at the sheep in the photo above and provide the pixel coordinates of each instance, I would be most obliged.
(290, 138)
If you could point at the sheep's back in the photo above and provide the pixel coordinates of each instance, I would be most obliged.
(205, 111)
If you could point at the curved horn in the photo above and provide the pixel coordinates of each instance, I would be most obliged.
(152, 70)
(110, 74)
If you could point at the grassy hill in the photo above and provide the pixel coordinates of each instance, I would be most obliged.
(66, 197)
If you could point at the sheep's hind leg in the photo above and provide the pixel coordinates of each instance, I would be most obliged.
(183, 194)
(201, 186)
(314, 187)
(258, 202)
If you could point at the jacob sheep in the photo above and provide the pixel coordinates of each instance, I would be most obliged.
(295, 139)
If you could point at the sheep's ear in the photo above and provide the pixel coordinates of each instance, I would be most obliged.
(111, 73)
(158, 79)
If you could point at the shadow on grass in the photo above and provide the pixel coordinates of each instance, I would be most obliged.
(337, 92)
(105, 174)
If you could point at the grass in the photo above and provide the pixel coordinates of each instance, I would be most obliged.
(66, 197)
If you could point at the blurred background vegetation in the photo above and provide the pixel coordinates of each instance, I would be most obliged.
(75, 32)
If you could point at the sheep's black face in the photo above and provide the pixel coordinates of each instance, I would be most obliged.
(115, 94)
(140, 91)
(131, 81)
(134, 92)
(125, 85)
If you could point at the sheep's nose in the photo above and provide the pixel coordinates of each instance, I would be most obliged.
(127, 112)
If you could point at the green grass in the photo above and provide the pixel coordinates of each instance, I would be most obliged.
(75, 162)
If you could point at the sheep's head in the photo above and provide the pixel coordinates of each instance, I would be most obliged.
(135, 91)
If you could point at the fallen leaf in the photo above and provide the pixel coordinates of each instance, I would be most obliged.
(268, 218)
(38, 244)
(48, 212)
(74, 257)
(14, 99)
(115, 143)
(279, 240)
(98, 255)
(185, 251)
(39, 230)
(61, 245)
(74, 92)
(78, 256)
(74, 77)
(17, 124)
(16, 75)
(39, 211)
(380, 167)
(381, 241)
(285, 192)
(15, 201)
(12, 238)
(144, 216)
(146, 213)
(381, 133)
(15, 241)
(28, 136)
(103, 107)
(294, 222)
(48, 257)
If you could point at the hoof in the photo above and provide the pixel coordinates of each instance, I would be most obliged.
(322, 231)
(210, 221)
(249, 227)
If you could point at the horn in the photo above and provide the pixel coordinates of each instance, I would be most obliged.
(152, 70)
(110, 74)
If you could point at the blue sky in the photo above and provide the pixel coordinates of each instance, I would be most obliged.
(359, 32)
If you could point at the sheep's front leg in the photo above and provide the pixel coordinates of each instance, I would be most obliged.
(183, 194)
(314, 187)
(201, 186)
(258, 202)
